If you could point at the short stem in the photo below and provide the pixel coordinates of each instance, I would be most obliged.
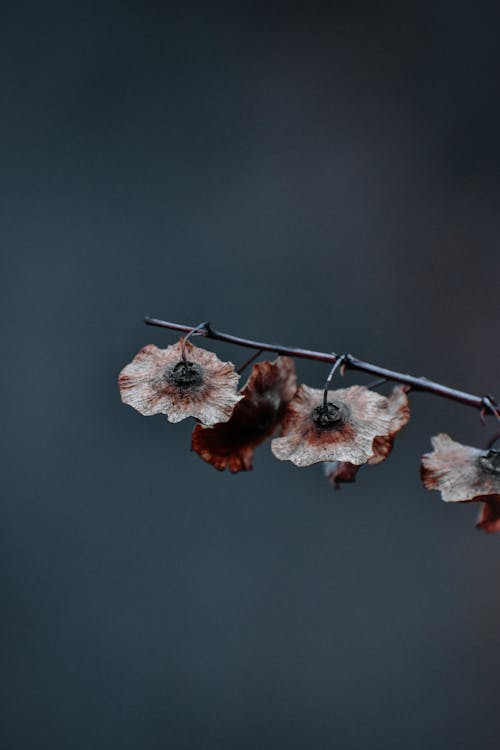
(196, 329)
(329, 379)
(248, 361)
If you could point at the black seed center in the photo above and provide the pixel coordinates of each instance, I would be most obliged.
(328, 416)
(490, 461)
(185, 374)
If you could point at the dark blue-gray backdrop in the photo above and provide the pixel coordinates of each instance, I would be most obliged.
(325, 177)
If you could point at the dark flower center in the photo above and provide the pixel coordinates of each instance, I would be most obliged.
(329, 416)
(185, 374)
(490, 461)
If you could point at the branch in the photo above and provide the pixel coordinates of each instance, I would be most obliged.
(487, 404)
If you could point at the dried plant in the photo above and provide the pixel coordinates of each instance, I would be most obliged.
(332, 426)
(340, 472)
(255, 418)
(180, 381)
(463, 474)
(342, 429)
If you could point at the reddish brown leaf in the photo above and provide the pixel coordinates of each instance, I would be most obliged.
(231, 445)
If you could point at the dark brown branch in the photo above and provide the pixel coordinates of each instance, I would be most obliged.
(486, 404)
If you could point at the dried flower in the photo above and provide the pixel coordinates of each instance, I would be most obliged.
(231, 445)
(464, 474)
(341, 472)
(342, 429)
(180, 382)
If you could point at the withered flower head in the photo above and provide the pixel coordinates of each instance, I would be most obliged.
(160, 381)
(231, 445)
(340, 472)
(464, 474)
(343, 429)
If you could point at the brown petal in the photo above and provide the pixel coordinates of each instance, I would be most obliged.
(151, 384)
(340, 472)
(489, 517)
(366, 416)
(231, 444)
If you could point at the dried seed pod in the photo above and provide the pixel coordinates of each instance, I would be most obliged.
(342, 429)
(180, 381)
(255, 418)
(463, 474)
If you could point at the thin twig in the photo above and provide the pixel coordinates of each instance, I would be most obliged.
(196, 329)
(248, 361)
(484, 403)
(491, 442)
(376, 383)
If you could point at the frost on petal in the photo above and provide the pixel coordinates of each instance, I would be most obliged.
(342, 430)
(340, 472)
(231, 444)
(461, 473)
(159, 381)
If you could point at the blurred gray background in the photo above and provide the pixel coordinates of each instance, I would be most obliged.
(324, 177)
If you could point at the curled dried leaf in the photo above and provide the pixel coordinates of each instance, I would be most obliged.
(343, 429)
(255, 418)
(161, 381)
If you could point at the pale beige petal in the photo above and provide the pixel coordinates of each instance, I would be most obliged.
(303, 443)
(456, 471)
(140, 381)
(399, 409)
(146, 384)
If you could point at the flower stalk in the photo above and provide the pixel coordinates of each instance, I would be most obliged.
(486, 404)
